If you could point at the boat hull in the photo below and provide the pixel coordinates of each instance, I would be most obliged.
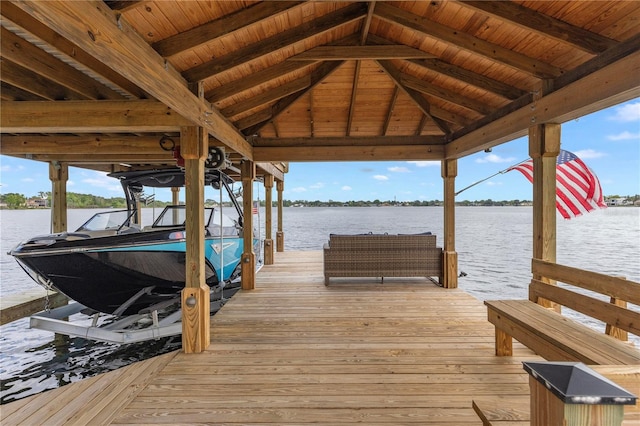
(125, 274)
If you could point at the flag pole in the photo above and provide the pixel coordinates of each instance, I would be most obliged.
(493, 175)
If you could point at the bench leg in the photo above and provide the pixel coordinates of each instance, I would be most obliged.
(326, 280)
(504, 343)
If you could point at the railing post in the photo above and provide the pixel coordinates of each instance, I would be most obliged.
(268, 238)
(280, 232)
(572, 394)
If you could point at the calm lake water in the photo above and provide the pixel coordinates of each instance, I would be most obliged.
(493, 244)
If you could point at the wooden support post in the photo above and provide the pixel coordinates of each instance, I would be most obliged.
(175, 200)
(544, 147)
(248, 256)
(571, 394)
(195, 297)
(268, 238)
(280, 232)
(450, 256)
(59, 175)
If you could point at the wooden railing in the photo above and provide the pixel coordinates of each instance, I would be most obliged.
(614, 313)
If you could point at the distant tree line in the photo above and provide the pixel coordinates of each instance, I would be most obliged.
(74, 201)
(87, 201)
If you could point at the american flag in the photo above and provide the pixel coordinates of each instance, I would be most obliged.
(255, 207)
(578, 190)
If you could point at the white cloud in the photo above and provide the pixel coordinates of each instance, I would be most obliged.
(101, 180)
(425, 163)
(317, 185)
(624, 136)
(9, 168)
(493, 158)
(346, 188)
(627, 113)
(27, 180)
(491, 183)
(298, 189)
(380, 177)
(588, 153)
(398, 169)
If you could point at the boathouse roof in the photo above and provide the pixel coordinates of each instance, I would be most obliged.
(108, 85)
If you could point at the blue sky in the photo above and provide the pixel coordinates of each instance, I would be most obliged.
(607, 141)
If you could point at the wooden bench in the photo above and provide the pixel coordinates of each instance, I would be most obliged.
(382, 255)
(558, 338)
(515, 410)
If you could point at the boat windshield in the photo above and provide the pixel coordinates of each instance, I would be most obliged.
(173, 216)
(112, 220)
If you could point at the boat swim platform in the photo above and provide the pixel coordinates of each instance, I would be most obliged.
(293, 351)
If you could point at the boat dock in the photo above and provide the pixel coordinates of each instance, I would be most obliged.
(293, 351)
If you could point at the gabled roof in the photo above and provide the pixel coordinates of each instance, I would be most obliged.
(98, 85)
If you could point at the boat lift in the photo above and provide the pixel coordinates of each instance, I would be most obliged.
(128, 329)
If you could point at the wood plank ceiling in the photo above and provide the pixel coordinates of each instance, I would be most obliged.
(98, 84)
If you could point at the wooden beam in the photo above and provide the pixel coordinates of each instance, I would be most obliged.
(79, 159)
(478, 80)
(30, 82)
(84, 144)
(354, 94)
(462, 40)
(227, 24)
(124, 5)
(268, 96)
(350, 153)
(113, 42)
(276, 42)
(392, 105)
(610, 84)
(255, 80)
(444, 94)
(270, 169)
(89, 117)
(359, 53)
(17, 17)
(424, 105)
(319, 74)
(49, 67)
(353, 141)
(545, 25)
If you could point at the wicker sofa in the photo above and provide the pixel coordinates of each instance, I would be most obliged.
(382, 255)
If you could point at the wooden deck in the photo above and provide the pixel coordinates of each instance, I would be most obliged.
(293, 351)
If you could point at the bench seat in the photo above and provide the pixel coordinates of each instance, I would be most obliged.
(553, 336)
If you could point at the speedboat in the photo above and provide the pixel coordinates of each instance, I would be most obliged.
(113, 265)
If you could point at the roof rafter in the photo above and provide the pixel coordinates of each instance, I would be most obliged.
(611, 83)
(210, 31)
(70, 49)
(317, 76)
(276, 42)
(467, 42)
(545, 25)
(135, 60)
(256, 79)
(417, 98)
(37, 60)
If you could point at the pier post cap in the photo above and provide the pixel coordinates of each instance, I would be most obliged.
(576, 383)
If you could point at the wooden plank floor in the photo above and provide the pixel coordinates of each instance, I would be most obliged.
(293, 351)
